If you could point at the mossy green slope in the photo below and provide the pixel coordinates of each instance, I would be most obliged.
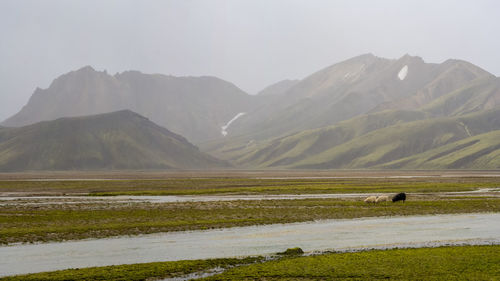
(445, 263)
(118, 140)
(387, 144)
(480, 95)
(292, 148)
(471, 153)
(404, 140)
(372, 141)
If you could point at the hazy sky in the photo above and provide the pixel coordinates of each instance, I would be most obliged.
(249, 43)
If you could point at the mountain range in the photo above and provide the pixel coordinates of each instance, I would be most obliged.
(195, 107)
(365, 112)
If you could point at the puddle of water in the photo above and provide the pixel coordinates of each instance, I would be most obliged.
(253, 240)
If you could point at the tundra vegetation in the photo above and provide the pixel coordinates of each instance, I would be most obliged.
(443, 263)
(38, 221)
(244, 185)
(292, 251)
(43, 220)
(34, 219)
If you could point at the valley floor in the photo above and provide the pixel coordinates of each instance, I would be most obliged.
(43, 219)
(40, 221)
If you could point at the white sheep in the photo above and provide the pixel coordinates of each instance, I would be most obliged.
(371, 199)
(382, 198)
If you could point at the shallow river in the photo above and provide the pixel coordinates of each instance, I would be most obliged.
(411, 231)
(19, 200)
(37, 200)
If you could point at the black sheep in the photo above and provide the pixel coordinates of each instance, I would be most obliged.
(399, 197)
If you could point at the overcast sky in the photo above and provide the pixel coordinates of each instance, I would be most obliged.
(249, 43)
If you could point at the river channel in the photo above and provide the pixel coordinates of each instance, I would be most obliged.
(339, 235)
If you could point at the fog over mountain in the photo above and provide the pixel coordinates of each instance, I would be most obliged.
(364, 112)
(249, 139)
(359, 85)
(250, 84)
(252, 44)
(196, 107)
(372, 112)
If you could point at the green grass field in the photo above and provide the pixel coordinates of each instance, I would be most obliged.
(55, 222)
(200, 186)
(444, 263)
(40, 220)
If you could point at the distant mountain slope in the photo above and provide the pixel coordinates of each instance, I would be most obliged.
(290, 149)
(482, 94)
(118, 140)
(278, 88)
(308, 99)
(195, 107)
(477, 152)
(402, 140)
(201, 108)
(358, 113)
(451, 75)
(361, 85)
(368, 141)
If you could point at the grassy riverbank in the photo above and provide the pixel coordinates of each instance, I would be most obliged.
(135, 272)
(55, 222)
(199, 186)
(443, 263)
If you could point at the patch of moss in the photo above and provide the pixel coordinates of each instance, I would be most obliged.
(292, 252)
(444, 263)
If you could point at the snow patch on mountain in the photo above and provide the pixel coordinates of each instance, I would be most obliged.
(403, 72)
(224, 128)
(355, 74)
